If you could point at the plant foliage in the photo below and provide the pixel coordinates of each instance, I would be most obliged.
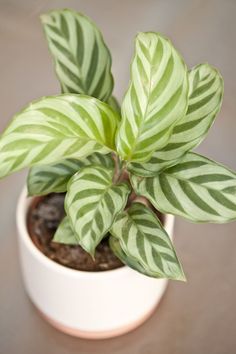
(104, 158)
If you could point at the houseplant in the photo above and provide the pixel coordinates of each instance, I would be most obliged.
(116, 168)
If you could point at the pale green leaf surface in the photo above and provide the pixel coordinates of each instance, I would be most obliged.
(65, 234)
(198, 189)
(54, 178)
(115, 246)
(54, 128)
(156, 98)
(92, 202)
(205, 99)
(144, 241)
(82, 60)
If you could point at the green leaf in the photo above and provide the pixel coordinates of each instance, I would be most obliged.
(55, 128)
(146, 244)
(65, 234)
(92, 202)
(82, 60)
(197, 188)
(156, 98)
(54, 178)
(112, 101)
(205, 99)
(115, 246)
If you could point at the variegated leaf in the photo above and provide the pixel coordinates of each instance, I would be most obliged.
(54, 128)
(115, 246)
(92, 202)
(112, 101)
(82, 60)
(197, 188)
(65, 234)
(205, 98)
(145, 242)
(54, 178)
(156, 98)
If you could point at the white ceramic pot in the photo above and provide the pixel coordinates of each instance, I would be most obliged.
(86, 304)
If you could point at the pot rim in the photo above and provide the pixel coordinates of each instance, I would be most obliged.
(21, 210)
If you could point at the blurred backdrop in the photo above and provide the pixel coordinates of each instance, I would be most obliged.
(198, 317)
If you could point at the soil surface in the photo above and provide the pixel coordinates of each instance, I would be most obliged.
(44, 216)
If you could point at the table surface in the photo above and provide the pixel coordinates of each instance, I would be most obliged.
(198, 317)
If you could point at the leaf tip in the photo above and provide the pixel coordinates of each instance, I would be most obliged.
(181, 277)
(44, 18)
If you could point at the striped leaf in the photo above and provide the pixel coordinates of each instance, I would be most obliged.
(82, 60)
(146, 244)
(92, 202)
(65, 234)
(156, 98)
(54, 178)
(112, 101)
(115, 246)
(197, 188)
(54, 128)
(205, 98)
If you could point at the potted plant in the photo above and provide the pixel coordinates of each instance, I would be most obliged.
(121, 175)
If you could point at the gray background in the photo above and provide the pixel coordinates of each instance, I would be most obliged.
(194, 318)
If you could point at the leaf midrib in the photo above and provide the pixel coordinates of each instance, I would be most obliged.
(145, 112)
(76, 61)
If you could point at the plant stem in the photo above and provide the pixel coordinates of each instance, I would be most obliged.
(120, 173)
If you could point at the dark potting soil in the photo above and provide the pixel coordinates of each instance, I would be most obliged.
(44, 216)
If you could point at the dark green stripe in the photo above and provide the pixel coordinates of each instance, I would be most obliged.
(140, 241)
(157, 259)
(64, 27)
(73, 77)
(85, 209)
(80, 43)
(168, 192)
(91, 122)
(168, 107)
(210, 178)
(88, 192)
(93, 178)
(63, 50)
(221, 199)
(156, 240)
(173, 146)
(101, 82)
(195, 106)
(202, 89)
(190, 193)
(183, 166)
(94, 63)
(179, 128)
(99, 221)
(48, 148)
(164, 80)
(54, 29)
(109, 202)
